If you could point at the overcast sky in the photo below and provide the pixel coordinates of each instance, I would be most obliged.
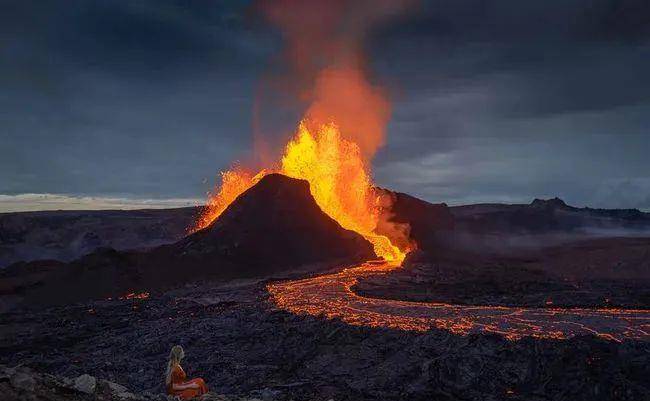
(144, 102)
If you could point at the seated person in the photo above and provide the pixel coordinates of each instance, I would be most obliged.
(176, 381)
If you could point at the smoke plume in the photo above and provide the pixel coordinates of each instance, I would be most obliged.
(324, 66)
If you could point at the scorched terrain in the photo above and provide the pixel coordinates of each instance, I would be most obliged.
(324, 325)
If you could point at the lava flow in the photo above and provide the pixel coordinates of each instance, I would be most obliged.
(331, 296)
(338, 178)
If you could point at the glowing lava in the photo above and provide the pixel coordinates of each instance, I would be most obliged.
(338, 177)
(233, 183)
(331, 296)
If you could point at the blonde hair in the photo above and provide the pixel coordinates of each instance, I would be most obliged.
(175, 356)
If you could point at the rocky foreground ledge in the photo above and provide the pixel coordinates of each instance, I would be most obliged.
(23, 384)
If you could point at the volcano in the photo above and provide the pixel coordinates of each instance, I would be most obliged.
(274, 224)
(272, 227)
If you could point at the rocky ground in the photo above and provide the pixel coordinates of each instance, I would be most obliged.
(504, 285)
(244, 347)
(602, 272)
(68, 235)
(21, 383)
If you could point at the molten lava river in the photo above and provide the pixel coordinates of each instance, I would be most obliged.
(340, 184)
(330, 296)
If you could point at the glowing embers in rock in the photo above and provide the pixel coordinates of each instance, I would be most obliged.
(330, 296)
(339, 180)
(132, 295)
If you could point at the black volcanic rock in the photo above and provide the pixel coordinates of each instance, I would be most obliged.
(103, 273)
(427, 224)
(276, 223)
(243, 347)
(274, 226)
(66, 235)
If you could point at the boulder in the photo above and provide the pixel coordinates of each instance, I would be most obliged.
(23, 381)
(85, 383)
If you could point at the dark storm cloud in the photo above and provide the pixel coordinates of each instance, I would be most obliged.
(561, 56)
(509, 100)
(145, 98)
(492, 100)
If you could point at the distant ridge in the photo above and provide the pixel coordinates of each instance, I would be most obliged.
(551, 203)
(546, 216)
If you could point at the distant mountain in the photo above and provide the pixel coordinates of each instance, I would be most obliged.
(549, 216)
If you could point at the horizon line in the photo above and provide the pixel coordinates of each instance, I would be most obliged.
(36, 202)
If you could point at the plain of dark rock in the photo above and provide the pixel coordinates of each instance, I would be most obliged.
(602, 272)
(68, 235)
(243, 346)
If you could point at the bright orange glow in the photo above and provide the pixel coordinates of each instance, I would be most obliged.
(133, 295)
(333, 296)
(345, 114)
(233, 183)
(339, 180)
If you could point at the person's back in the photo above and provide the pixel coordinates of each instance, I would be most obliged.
(176, 381)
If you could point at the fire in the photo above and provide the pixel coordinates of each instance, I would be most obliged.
(339, 182)
(233, 183)
(325, 70)
(338, 177)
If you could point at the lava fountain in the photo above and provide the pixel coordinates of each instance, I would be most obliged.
(338, 177)
(344, 115)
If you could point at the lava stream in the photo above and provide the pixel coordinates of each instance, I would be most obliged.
(330, 296)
